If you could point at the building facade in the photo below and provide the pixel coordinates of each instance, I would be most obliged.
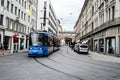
(47, 19)
(17, 17)
(100, 24)
(59, 28)
(77, 29)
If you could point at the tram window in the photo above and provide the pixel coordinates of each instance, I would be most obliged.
(45, 41)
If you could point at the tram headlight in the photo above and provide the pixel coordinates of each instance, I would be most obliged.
(30, 48)
(41, 49)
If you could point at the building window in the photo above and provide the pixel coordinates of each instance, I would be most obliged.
(92, 10)
(24, 16)
(29, 7)
(106, 15)
(28, 29)
(15, 10)
(22, 2)
(19, 1)
(1, 19)
(13, 25)
(28, 18)
(24, 29)
(109, 14)
(12, 8)
(7, 22)
(2, 2)
(10, 24)
(19, 12)
(113, 12)
(25, 4)
(17, 24)
(8, 3)
(20, 27)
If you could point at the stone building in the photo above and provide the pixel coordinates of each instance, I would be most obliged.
(16, 17)
(100, 24)
(47, 19)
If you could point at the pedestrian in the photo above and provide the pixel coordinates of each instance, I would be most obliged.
(1, 49)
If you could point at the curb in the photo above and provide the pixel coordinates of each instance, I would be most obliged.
(8, 53)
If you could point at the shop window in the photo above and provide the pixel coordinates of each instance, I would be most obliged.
(111, 45)
(96, 45)
(101, 45)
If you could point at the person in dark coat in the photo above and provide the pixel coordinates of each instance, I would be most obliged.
(1, 49)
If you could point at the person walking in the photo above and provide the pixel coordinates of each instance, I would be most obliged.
(1, 49)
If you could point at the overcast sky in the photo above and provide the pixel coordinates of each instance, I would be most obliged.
(67, 11)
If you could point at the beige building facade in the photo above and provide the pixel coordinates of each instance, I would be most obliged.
(16, 17)
(47, 19)
(100, 24)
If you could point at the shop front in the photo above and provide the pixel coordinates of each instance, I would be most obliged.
(96, 45)
(101, 45)
(111, 45)
(7, 42)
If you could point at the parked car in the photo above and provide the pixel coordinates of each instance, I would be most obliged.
(83, 48)
(76, 48)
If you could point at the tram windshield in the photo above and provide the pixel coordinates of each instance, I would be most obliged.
(37, 39)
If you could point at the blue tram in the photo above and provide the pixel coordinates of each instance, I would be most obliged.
(42, 43)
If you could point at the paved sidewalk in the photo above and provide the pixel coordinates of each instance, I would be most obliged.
(8, 52)
(103, 57)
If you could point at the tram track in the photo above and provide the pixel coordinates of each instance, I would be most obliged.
(95, 70)
(104, 67)
(52, 60)
(87, 61)
(70, 56)
(57, 69)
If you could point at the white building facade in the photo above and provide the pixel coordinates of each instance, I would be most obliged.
(100, 24)
(16, 17)
(47, 19)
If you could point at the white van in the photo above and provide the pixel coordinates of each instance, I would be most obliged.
(83, 48)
